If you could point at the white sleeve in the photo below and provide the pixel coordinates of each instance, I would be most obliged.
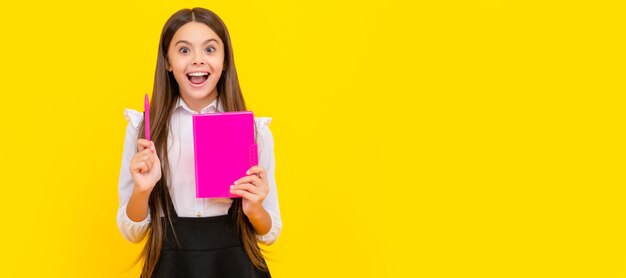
(131, 230)
(267, 161)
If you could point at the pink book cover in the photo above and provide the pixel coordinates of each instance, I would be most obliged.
(224, 149)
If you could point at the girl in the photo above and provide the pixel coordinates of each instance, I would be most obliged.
(190, 237)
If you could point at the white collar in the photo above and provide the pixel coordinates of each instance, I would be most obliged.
(211, 108)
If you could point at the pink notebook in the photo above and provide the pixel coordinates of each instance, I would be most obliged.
(224, 149)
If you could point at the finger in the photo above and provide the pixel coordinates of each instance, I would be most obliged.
(143, 144)
(250, 179)
(245, 194)
(148, 154)
(246, 187)
(147, 167)
(152, 154)
(148, 159)
(258, 170)
(255, 170)
(144, 156)
(141, 155)
(139, 167)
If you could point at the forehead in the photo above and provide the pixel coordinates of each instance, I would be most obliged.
(195, 33)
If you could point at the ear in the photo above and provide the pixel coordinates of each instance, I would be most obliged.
(168, 67)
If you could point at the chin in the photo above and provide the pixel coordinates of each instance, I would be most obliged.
(198, 93)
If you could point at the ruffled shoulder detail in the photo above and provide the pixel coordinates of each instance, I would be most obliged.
(263, 133)
(133, 116)
(262, 122)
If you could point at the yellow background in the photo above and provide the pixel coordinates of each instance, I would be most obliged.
(434, 139)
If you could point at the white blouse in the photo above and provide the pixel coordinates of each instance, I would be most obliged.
(182, 180)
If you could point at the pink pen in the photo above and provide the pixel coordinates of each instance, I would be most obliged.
(146, 116)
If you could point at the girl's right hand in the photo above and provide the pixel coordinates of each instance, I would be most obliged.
(145, 167)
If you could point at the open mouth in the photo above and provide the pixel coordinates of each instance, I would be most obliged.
(197, 78)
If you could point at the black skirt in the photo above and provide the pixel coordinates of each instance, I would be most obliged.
(209, 247)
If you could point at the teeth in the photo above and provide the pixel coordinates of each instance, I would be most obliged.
(197, 73)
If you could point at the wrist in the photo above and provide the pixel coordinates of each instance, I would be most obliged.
(144, 194)
(256, 213)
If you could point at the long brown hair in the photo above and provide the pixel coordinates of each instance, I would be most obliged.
(164, 96)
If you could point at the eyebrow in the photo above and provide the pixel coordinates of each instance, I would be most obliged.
(205, 42)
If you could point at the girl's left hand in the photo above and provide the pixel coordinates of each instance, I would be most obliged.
(253, 189)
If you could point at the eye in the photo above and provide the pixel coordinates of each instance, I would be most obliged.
(210, 49)
(183, 50)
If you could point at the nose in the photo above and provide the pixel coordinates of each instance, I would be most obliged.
(198, 60)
